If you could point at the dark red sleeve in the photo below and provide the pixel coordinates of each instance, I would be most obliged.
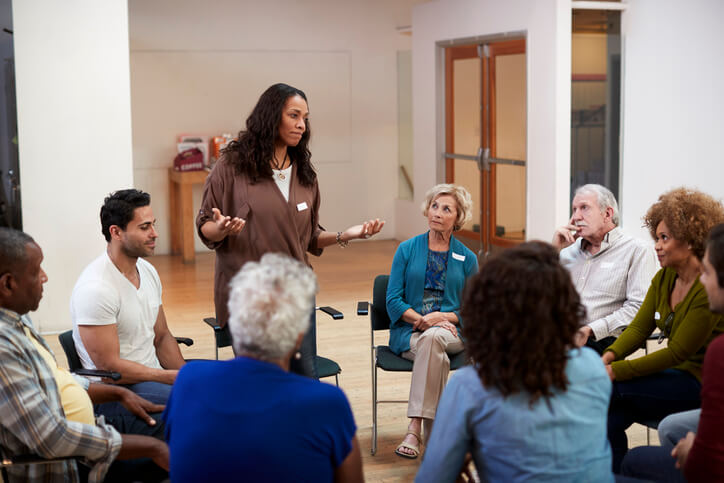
(706, 458)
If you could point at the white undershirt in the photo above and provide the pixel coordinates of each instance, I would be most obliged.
(283, 184)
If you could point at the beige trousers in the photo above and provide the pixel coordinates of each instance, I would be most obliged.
(429, 350)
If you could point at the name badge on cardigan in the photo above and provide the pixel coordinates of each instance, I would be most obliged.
(458, 257)
(302, 206)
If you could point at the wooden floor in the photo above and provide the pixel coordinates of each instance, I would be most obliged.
(345, 277)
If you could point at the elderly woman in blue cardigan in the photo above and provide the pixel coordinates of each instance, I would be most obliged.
(423, 301)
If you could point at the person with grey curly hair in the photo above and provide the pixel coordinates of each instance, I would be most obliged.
(267, 303)
(610, 269)
(239, 417)
(423, 301)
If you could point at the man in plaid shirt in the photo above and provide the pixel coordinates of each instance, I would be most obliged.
(32, 419)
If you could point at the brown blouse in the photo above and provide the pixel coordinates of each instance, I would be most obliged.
(272, 223)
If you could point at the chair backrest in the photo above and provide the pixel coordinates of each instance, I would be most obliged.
(378, 312)
(66, 341)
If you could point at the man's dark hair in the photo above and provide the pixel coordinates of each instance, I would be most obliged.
(12, 249)
(521, 313)
(118, 209)
(715, 245)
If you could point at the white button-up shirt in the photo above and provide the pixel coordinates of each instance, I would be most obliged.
(613, 282)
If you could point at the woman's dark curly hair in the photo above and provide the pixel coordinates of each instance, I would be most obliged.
(521, 313)
(253, 149)
(689, 214)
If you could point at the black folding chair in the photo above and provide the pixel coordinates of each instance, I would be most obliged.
(325, 367)
(75, 366)
(381, 355)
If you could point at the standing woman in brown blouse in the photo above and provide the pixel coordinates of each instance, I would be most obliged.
(262, 196)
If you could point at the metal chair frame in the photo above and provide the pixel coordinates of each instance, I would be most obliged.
(222, 338)
(379, 320)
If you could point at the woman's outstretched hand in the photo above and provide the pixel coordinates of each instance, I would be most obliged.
(221, 226)
(226, 224)
(365, 230)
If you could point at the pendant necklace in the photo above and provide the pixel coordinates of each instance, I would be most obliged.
(279, 168)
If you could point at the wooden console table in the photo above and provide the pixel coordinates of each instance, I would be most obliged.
(183, 217)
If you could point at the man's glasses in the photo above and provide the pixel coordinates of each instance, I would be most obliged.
(668, 322)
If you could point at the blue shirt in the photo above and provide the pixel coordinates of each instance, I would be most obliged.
(407, 284)
(562, 439)
(249, 420)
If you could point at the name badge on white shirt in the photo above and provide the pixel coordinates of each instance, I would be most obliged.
(458, 257)
(302, 206)
(607, 265)
(657, 316)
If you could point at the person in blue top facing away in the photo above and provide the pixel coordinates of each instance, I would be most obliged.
(249, 418)
(423, 302)
(533, 404)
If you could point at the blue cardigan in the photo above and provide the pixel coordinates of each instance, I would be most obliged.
(407, 284)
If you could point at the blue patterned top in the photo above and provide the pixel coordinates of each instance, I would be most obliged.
(434, 282)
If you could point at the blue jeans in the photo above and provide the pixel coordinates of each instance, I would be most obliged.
(653, 463)
(156, 392)
(646, 398)
(675, 426)
(125, 422)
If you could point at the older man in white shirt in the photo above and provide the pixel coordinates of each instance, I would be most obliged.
(611, 270)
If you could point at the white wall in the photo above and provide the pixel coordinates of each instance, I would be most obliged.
(673, 126)
(74, 132)
(201, 70)
(547, 24)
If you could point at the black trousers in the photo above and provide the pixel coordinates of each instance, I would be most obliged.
(600, 345)
(306, 365)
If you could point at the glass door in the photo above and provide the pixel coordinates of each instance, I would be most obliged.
(485, 102)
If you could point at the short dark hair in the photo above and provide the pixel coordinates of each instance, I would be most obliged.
(118, 209)
(12, 249)
(520, 315)
(715, 244)
(252, 151)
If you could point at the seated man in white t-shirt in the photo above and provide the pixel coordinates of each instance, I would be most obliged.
(118, 319)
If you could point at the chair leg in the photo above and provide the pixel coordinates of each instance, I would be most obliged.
(374, 405)
(336, 379)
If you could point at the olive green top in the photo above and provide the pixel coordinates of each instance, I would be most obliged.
(691, 330)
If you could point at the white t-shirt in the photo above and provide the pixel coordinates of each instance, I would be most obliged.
(103, 295)
(283, 183)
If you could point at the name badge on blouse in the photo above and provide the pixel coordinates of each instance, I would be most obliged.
(657, 316)
(302, 206)
(458, 257)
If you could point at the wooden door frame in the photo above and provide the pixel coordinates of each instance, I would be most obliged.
(504, 47)
(452, 54)
(508, 47)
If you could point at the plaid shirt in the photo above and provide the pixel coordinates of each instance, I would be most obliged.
(31, 416)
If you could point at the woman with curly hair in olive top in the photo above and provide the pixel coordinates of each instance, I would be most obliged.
(668, 380)
(532, 407)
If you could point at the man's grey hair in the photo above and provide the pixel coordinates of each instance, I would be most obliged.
(270, 303)
(12, 249)
(604, 197)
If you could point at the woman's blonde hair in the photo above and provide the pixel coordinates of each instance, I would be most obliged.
(462, 198)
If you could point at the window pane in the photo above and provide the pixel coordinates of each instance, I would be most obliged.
(466, 106)
(595, 98)
(510, 120)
